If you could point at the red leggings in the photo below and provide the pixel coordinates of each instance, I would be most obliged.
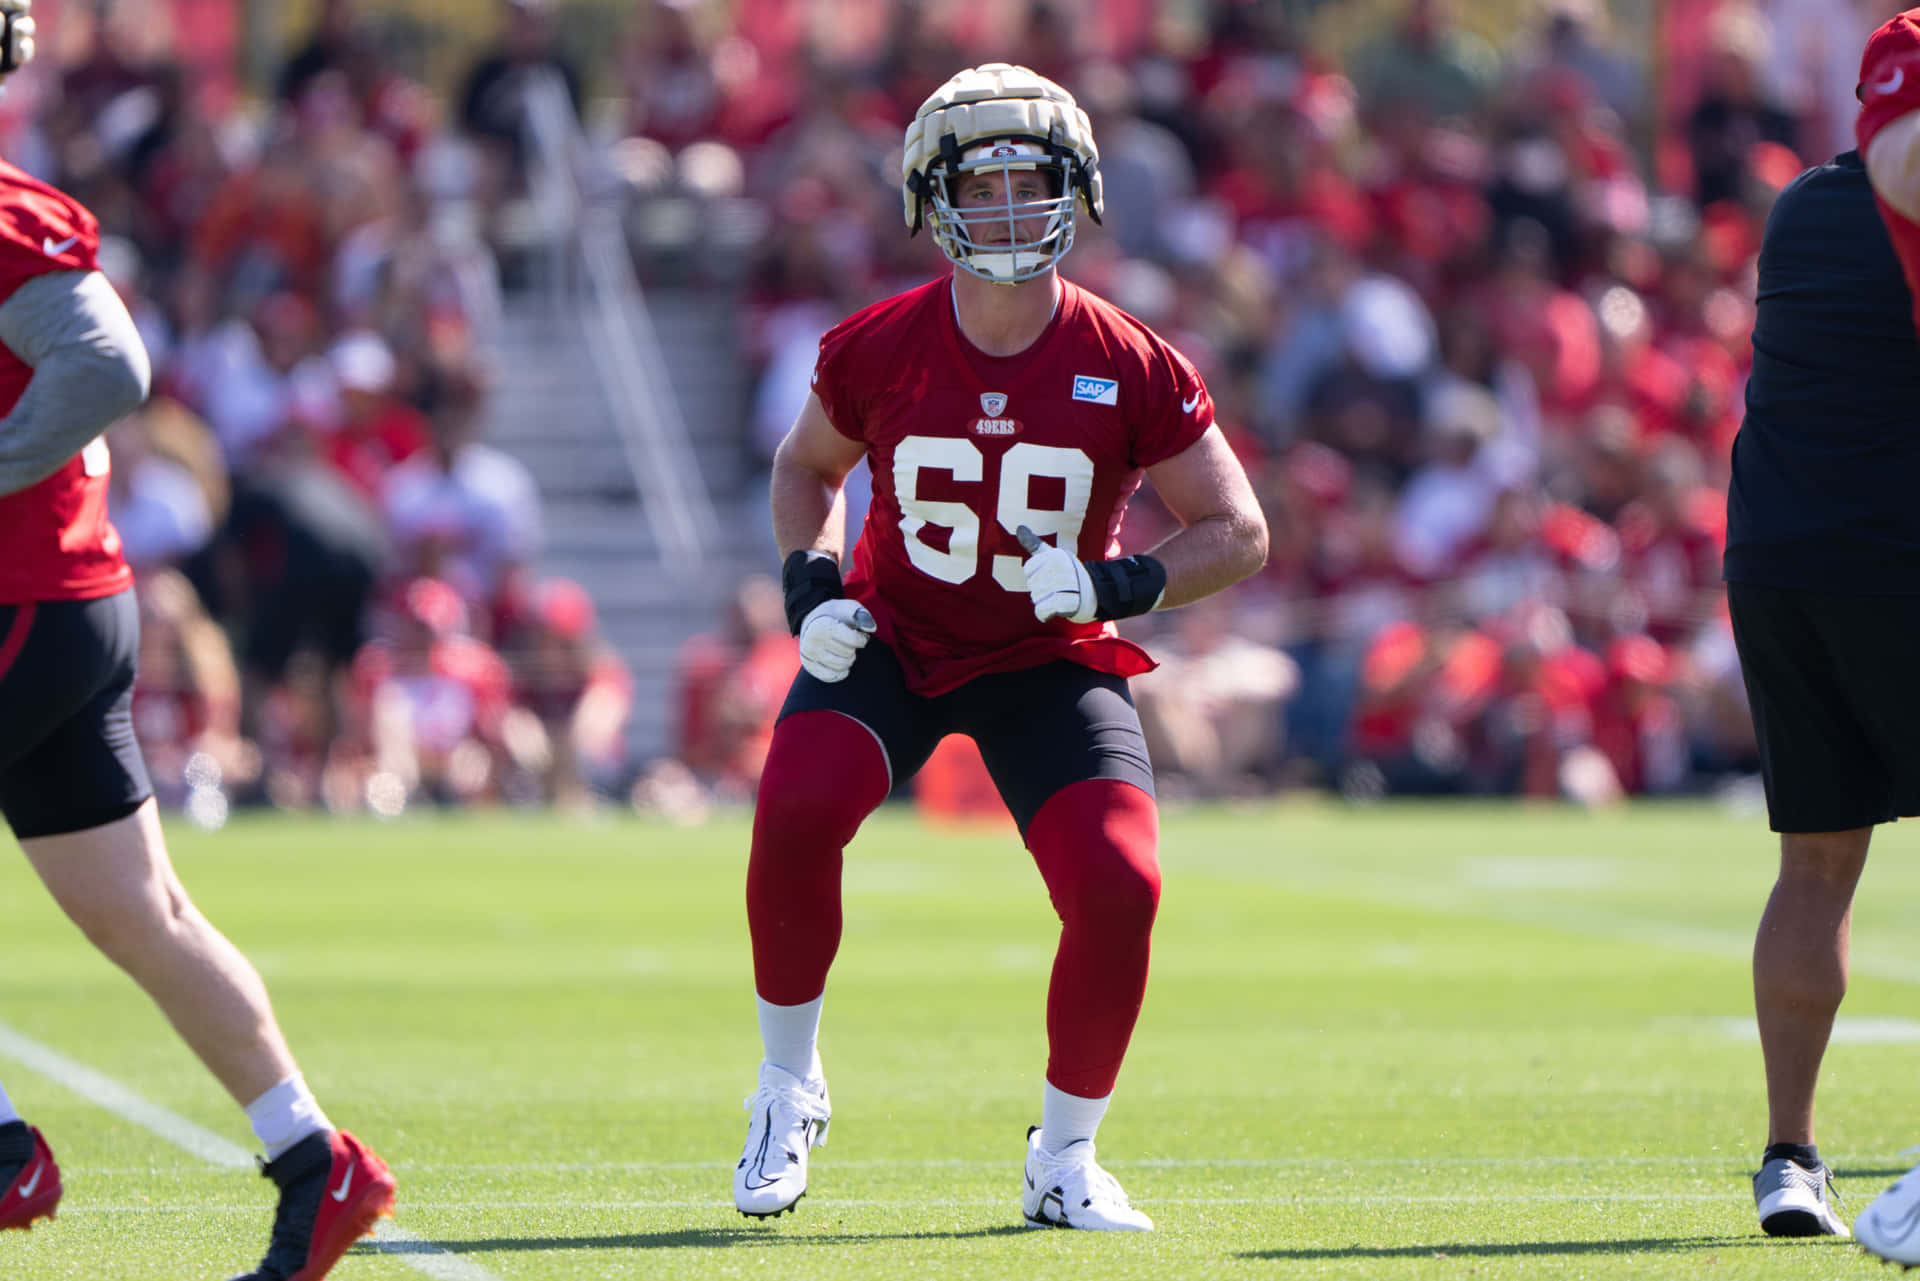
(1094, 842)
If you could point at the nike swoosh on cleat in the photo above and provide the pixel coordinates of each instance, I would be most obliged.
(340, 1193)
(27, 1188)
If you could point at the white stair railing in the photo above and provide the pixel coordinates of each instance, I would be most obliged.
(605, 294)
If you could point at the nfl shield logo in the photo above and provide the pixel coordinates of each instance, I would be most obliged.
(992, 404)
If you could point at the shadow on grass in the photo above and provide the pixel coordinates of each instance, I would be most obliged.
(1510, 1249)
(685, 1239)
(1872, 1172)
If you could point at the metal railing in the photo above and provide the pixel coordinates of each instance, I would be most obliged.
(593, 278)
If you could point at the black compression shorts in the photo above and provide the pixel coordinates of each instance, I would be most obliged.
(1038, 729)
(68, 759)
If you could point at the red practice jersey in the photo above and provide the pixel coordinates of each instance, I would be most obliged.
(965, 448)
(56, 542)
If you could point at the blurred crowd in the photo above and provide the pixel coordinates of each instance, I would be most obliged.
(338, 581)
(1475, 315)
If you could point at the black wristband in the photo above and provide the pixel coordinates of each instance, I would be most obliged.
(1125, 587)
(806, 579)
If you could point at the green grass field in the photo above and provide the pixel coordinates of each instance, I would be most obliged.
(1397, 1042)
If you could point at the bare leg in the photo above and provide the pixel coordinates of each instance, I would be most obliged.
(117, 884)
(1800, 969)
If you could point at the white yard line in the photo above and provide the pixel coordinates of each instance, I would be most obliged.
(996, 1203)
(110, 1096)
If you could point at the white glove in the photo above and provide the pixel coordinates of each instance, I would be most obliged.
(831, 635)
(1057, 581)
(17, 48)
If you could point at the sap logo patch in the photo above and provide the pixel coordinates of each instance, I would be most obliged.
(1098, 391)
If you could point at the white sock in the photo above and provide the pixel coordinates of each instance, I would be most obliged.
(285, 1115)
(790, 1035)
(7, 1113)
(1067, 1118)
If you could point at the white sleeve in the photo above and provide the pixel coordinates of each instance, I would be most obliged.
(1893, 164)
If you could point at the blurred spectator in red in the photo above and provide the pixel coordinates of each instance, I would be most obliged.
(576, 687)
(1637, 723)
(674, 93)
(1427, 61)
(461, 510)
(375, 429)
(1539, 714)
(432, 705)
(730, 686)
(1419, 691)
(1671, 540)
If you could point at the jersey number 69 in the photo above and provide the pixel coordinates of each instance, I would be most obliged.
(1018, 467)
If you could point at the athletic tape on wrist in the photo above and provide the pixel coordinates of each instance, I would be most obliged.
(1126, 587)
(808, 578)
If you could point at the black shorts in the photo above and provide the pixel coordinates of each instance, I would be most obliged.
(1834, 684)
(68, 759)
(1038, 729)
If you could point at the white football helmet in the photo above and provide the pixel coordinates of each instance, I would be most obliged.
(999, 116)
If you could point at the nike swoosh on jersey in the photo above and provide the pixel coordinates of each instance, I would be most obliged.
(1891, 83)
(54, 248)
(340, 1193)
(1188, 406)
(27, 1188)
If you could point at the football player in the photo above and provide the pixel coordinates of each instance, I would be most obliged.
(73, 786)
(1823, 585)
(1006, 415)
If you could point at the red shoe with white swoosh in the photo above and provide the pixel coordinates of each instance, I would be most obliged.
(32, 1178)
(332, 1191)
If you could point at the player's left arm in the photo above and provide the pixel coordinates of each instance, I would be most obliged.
(1222, 539)
(89, 369)
(1223, 535)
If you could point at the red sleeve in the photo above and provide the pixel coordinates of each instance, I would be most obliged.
(832, 384)
(1179, 409)
(41, 231)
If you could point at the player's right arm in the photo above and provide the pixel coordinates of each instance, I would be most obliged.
(809, 523)
(1893, 164)
(809, 468)
(89, 369)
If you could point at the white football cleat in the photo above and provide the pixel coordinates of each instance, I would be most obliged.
(1070, 1190)
(1796, 1202)
(789, 1116)
(1890, 1227)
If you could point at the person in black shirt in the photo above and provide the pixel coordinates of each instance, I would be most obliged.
(1823, 584)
